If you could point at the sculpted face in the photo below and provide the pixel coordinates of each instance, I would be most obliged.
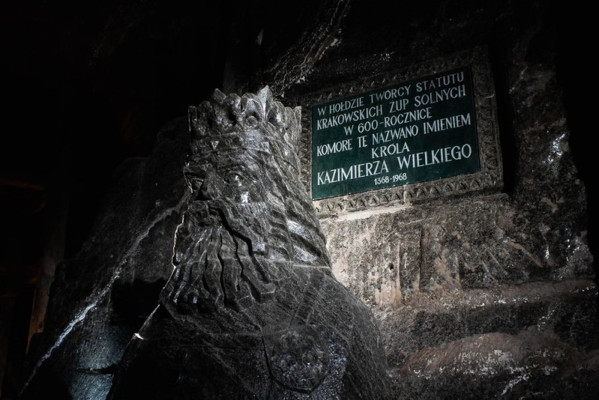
(228, 178)
(221, 244)
(234, 188)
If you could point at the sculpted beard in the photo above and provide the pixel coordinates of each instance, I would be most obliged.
(222, 258)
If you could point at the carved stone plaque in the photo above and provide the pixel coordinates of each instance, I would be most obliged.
(427, 131)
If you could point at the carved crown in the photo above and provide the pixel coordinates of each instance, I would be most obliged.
(254, 122)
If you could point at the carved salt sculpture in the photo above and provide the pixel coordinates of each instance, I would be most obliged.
(252, 309)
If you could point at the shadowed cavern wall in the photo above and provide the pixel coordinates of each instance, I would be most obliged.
(484, 292)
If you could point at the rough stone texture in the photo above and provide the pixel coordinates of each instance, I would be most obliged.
(467, 291)
(475, 243)
(102, 296)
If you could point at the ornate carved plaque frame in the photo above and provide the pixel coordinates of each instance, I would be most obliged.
(488, 178)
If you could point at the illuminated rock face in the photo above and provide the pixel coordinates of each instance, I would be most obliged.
(251, 309)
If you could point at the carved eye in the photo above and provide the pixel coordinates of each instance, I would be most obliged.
(275, 115)
(273, 120)
(233, 178)
(196, 184)
(251, 121)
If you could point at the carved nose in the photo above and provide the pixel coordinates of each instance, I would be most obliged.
(209, 188)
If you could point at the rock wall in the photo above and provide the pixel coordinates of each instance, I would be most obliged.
(100, 297)
(479, 294)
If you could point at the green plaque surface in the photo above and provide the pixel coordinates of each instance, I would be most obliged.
(419, 130)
